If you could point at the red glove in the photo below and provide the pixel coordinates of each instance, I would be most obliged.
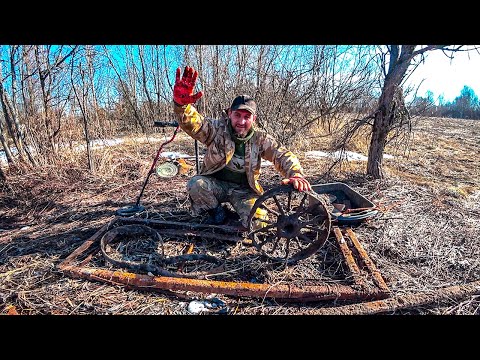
(299, 183)
(183, 88)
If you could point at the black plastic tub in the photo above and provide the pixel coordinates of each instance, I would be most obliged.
(353, 200)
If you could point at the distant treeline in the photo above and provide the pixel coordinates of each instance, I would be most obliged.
(464, 106)
(51, 95)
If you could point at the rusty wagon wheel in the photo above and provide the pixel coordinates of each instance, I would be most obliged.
(298, 224)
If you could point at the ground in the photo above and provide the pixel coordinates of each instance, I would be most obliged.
(425, 238)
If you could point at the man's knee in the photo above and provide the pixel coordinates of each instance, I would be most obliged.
(197, 184)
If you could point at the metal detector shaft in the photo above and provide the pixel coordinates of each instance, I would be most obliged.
(152, 168)
(196, 157)
(175, 124)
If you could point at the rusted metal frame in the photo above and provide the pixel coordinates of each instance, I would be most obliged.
(278, 291)
(146, 282)
(377, 277)
(349, 259)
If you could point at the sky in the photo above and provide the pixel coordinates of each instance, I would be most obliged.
(447, 77)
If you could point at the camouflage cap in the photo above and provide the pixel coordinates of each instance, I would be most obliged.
(244, 102)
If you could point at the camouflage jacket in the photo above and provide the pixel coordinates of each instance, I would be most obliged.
(220, 147)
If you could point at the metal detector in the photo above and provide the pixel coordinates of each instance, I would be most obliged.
(137, 208)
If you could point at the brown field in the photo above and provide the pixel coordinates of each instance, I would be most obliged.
(426, 238)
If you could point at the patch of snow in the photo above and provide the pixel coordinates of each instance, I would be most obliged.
(347, 155)
(174, 155)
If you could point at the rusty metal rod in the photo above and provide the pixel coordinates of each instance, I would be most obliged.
(377, 277)
(183, 233)
(349, 260)
(410, 301)
(280, 291)
(89, 242)
(181, 225)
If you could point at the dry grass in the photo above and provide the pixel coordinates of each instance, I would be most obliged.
(426, 238)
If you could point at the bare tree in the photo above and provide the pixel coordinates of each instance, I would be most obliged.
(82, 103)
(391, 119)
(9, 105)
(6, 147)
(16, 130)
(304, 86)
(127, 88)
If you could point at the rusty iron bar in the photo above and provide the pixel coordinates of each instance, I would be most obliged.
(89, 242)
(410, 301)
(160, 224)
(377, 277)
(279, 291)
(183, 233)
(349, 260)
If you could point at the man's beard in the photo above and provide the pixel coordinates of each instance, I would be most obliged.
(241, 134)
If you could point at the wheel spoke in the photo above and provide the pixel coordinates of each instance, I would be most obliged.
(313, 220)
(266, 239)
(278, 205)
(302, 202)
(267, 221)
(297, 240)
(265, 207)
(305, 238)
(289, 201)
(315, 228)
(287, 248)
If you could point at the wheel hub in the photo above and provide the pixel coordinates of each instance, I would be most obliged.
(288, 226)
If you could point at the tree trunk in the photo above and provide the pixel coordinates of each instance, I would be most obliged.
(3, 141)
(386, 114)
(83, 109)
(141, 54)
(9, 122)
(3, 178)
(90, 58)
(377, 147)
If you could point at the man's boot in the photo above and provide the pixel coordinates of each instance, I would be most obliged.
(216, 216)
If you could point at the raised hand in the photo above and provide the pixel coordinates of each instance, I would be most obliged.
(183, 88)
(298, 182)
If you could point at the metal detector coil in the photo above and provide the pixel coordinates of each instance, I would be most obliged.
(167, 170)
(130, 210)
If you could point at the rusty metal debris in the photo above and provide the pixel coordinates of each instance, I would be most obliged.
(76, 265)
(438, 297)
(135, 230)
